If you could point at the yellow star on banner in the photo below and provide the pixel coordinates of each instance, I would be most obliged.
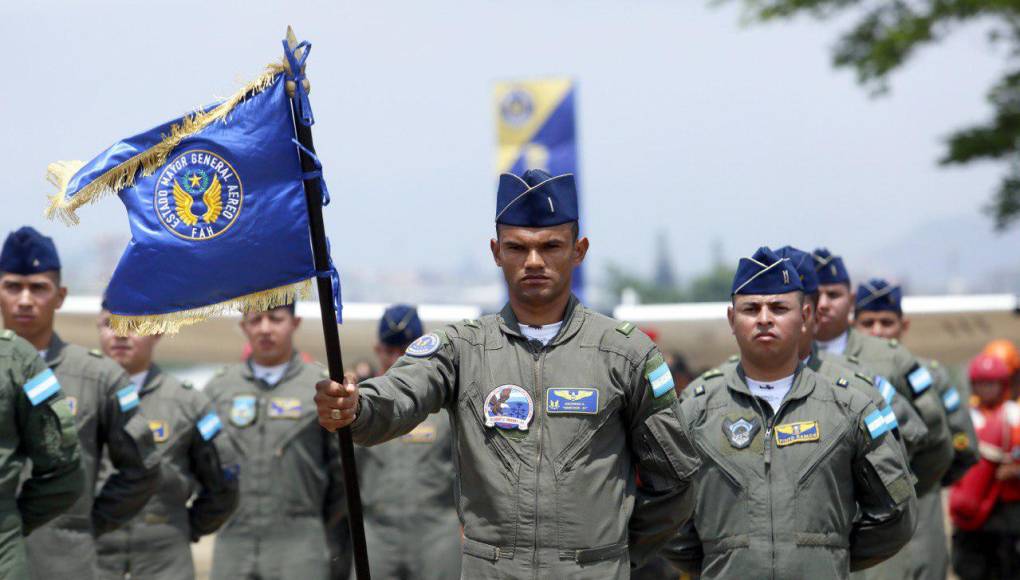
(195, 180)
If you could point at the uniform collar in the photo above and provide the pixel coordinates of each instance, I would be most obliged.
(813, 361)
(573, 318)
(55, 352)
(293, 368)
(153, 380)
(736, 380)
(854, 344)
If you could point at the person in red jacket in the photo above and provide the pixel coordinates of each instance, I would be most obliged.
(985, 504)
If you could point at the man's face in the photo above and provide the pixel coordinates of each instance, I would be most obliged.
(835, 301)
(271, 335)
(768, 328)
(882, 324)
(30, 301)
(538, 262)
(387, 355)
(133, 352)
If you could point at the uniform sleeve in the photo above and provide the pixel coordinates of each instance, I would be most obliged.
(666, 460)
(931, 460)
(132, 451)
(685, 552)
(416, 386)
(50, 442)
(965, 453)
(214, 462)
(885, 494)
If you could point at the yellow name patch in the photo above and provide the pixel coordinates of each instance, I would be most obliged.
(421, 434)
(160, 431)
(801, 432)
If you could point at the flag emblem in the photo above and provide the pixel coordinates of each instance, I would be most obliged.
(198, 195)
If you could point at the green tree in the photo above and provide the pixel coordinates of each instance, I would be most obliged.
(885, 36)
(710, 286)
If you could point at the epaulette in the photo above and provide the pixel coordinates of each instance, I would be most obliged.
(893, 343)
(865, 378)
(7, 335)
(187, 385)
(219, 373)
(841, 382)
(733, 358)
(625, 328)
(472, 322)
(699, 390)
(96, 353)
(714, 373)
(853, 359)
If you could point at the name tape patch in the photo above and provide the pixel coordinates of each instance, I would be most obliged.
(583, 401)
(800, 432)
(41, 387)
(280, 408)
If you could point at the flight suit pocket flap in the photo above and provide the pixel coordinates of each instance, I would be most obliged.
(486, 551)
(589, 555)
(830, 540)
(726, 544)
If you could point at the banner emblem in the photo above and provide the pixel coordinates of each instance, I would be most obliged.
(198, 195)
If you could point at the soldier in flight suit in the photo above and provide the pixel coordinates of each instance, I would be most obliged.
(198, 488)
(105, 408)
(553, 408)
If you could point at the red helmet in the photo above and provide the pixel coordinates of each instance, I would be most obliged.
(1005, 351)
(988, 368)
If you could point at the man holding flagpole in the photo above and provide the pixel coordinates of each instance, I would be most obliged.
(104, 404)
(553, 408)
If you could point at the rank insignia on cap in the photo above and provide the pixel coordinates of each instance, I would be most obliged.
(41, 387)
(280, 408)
(830, 268)
(209, 425)
(160, 431)
(508, 407)
(919, 379)
(421, 434)
(243, 410)
(424, 346)
(583, 401)
(741, 432)
(879, 421)
(800, 432)
(765, 273)
(127, 398)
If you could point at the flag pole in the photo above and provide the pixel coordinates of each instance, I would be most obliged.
(334, 357)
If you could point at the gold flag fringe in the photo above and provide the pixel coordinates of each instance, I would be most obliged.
(172, 322)
(148, 161)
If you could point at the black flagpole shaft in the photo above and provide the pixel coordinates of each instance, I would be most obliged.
(320, 251)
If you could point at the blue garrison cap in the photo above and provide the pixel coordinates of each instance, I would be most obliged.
(400, 325)
(879, 295)
(26, 251)
(804, 264)
(536, 199)
(765, 273)
(830, 268)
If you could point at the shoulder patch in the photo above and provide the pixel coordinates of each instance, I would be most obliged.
(41, 387)
(472, 322)
(699, 390)
(425, 345)
(658, 375)
(209, 425)
(865, 378)
(712, 374)
(625, 328)
(7, 335)
(841, 382)
(96, 353)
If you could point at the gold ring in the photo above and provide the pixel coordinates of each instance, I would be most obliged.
(335, 415)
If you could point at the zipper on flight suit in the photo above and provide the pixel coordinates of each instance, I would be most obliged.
(771, 421)
(538, 352)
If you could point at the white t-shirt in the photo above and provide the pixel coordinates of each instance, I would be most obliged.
(772, 392)
(836, 345)
(138, 379)
(542, 334)
(271, 375)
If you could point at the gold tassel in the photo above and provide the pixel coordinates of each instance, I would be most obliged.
(148, 161)
(172, 322)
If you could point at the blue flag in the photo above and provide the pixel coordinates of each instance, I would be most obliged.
(217, 210)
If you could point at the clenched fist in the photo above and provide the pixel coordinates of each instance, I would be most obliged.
(337, 404)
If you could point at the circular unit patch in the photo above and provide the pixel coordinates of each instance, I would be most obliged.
(425, 345)
(508, 407)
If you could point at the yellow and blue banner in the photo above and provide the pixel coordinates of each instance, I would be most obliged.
(216, 205)
(536, 129)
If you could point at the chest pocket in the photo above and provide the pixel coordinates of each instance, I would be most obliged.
(580, 429)
(824, 482)
(722, 485)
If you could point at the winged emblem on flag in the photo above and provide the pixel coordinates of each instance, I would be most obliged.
(212, 198)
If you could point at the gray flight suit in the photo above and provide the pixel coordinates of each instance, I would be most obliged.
(928, 549)
(807, 492)
(35, 425)
(411, 523)
(291, 480)
(105, 408)
(197, 493)
(887, 358)
(559, 498)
